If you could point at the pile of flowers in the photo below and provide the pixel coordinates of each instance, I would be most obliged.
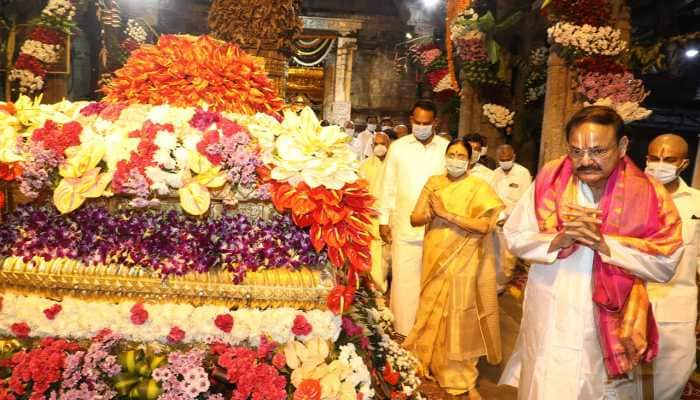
(432, 61)
(582, 34)
(498, 116)
(43, 46)
(168, 242)
(536, 83)
(188, 71)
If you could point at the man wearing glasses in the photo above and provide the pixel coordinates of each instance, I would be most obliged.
(595, 228)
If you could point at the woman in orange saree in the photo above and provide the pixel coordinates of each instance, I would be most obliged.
(457, 320)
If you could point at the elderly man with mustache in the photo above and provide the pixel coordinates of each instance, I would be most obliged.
(596, 228)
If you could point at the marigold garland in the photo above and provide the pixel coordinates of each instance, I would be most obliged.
(184, 71)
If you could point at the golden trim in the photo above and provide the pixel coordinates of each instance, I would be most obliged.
(303, 289)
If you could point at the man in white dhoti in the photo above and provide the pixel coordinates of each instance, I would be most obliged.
(595, 228)
(674, 303)
(410, 162)
(511, 180)
(372, 170)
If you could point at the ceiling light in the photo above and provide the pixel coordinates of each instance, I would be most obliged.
(430, 3)
(409, 35)
(691, 53)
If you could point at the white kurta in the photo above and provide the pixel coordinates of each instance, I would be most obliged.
(675, 305)
(408, 165)
(512, 185)
(557, 354)
(363, 144)
(483, 172)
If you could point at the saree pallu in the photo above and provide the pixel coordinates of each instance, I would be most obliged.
(457, 320)
(637, 212)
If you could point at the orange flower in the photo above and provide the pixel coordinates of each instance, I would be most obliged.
(9, 172)
(310, 389)
(185, 71)
(391, 376)
(340, 298)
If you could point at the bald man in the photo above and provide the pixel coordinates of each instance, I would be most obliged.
(401, 130)
(675, 302)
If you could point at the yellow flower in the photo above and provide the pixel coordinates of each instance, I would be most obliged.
(194, 195)
(308, 361)
(81, 177)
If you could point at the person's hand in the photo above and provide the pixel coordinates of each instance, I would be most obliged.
(385, 233)
(563, 240)
(583, 224)
(437, 206)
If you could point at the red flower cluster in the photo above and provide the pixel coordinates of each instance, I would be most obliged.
(301, 327)
(224, 322)
(253, 376)
(599, 64)
(58, 137)
(390, 376)
(46, 35)
(52, 311)
(434, 77)
(338, 219)
(340, 298)
(139, 315)
(8, 172)
(25, 61)
(20, 329)
(176, 335)
(580, 12)
(34, 372)
(142, 157)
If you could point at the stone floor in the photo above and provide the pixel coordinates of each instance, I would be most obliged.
(511, 312)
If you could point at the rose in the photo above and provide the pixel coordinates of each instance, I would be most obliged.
(224, 322)
(52, 311)
(20, 329)
(139, 315)
(301, 327)
(176, 335)
(309, 389)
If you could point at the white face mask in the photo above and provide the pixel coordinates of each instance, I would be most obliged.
(663, 172)
(387, 128)
(380, 150)
(371, 127)
(350, 131)
(475, 158)
(484, 150)
(422, 132)
(506, 165)
(456, 168)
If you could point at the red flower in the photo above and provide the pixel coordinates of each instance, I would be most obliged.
(58, 137)
(251, 374)
(176, 335)
(301, 327)
(309, 389)
(340, 298)
(224, 322)
(46, 35)
(209, 138)
(390, 376)
(396, 395)
(2, 200)
(30, 63)
(52, 311)
(279, 360)
(20, 329)
(139, 315)
(8, 172)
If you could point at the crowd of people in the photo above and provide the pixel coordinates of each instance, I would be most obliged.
(610, 306)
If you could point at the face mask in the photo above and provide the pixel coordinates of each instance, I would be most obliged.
(350, 131)
(456, 168)
(371, 127)
(506, 165)
(475, 157)
(387, 128)
(483, 150)
(422, 132)
(379, 150)
(662, 171)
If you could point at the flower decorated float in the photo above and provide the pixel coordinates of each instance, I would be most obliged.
(185, 239)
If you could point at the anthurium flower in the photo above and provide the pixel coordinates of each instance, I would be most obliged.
(194, 195)
(71, 193)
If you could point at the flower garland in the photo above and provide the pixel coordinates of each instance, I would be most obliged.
(43, 46)
(587, 40)
(498, 116)
(168, 242)
(430, 58)
(536, 83)
(185, 71)
(164, 322)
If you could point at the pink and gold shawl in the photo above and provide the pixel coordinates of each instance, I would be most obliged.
(637, 212)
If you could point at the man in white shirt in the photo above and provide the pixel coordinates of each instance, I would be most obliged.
(475, 167)
(595, 228)
(372, 169)
(511, 180)
(410, 162)
(363, 143)
(675, 302)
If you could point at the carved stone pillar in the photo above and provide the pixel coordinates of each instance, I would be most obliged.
(341, 107)
(263, 28)
(472, 120)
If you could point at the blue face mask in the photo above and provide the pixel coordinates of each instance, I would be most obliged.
(422, 132)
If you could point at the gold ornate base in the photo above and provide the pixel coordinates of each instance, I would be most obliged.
(305, 288)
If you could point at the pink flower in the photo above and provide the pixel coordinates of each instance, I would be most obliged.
(52, 311)
(301, 327)
(224, 322)
(176, 335)
(279, 360)
(20, 329)
(139, 315)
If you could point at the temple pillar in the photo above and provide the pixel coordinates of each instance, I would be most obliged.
(341, 107)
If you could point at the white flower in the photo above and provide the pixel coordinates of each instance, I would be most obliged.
(629, 111)
(135, 31)
(588, 39)
(497, 115)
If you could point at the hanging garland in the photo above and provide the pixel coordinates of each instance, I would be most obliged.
(312, 52)
(43, 46)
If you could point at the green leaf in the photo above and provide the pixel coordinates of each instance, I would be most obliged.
(486, 22)
(493, 49)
